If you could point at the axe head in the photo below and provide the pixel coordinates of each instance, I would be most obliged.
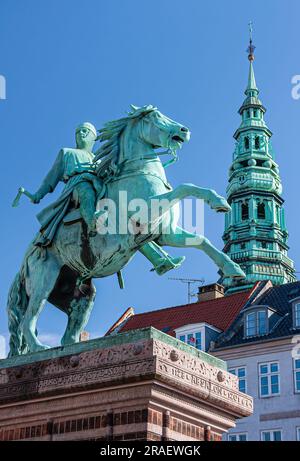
(18, 196)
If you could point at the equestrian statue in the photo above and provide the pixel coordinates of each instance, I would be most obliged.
(116, 201)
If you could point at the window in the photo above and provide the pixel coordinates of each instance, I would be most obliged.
(297, 315)
(248, 113)
(297, 374)
(298, 433)
(193, 339)
(245, 211)
(240, 372)
(257, 142)
(242, 437)
(247, 143)
(198, 340)
(271, 436)
(261, 211)
(255, 113)
(256, 323)
(190, 339)
(269, 379)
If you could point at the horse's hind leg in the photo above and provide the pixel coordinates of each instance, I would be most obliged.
(79, 313)
(42, 278)
(184, 239)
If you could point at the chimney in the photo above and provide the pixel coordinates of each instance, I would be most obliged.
(212, 291)
(84, 336)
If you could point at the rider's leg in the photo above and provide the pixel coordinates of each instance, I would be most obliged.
(160, 259)
(87, 204)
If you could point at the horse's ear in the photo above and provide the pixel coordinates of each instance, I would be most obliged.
(134, 108)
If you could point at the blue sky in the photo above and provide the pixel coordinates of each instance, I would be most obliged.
(67, 61)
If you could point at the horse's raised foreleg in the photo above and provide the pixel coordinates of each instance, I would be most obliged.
(78, 315)
(41, 281)
(214, 200)
(183, 239)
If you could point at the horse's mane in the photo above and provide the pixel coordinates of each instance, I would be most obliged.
(110, 134)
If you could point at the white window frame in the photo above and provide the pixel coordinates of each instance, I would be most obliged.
(271, 431)
(192, 329)
(295, 370)
(235, 369)
(237, 435)
(296, 324)
(256, 312)
(268, 375)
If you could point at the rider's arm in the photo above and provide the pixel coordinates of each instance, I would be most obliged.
(52, 179)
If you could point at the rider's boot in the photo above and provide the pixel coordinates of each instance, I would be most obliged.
(88, 214)
(162, 262)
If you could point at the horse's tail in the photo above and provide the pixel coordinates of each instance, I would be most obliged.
(16, 307)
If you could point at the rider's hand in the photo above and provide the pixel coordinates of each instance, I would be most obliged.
(36, 198)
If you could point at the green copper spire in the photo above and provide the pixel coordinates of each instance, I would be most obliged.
(255, 231)
(251, 89)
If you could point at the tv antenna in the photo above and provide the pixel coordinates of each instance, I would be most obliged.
(189, 283)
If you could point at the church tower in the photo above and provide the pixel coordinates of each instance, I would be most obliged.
(255, 233)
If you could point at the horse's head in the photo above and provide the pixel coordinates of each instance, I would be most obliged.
(138, 134)
(160, 131)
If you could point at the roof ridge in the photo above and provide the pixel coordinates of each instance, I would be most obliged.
(197, 302)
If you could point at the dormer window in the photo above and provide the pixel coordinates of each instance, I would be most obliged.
(297, 315)
(256, 323)
(197, 335)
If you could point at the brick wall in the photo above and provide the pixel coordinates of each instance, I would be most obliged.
(127, 425)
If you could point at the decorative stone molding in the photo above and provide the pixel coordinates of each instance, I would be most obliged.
(122, 373)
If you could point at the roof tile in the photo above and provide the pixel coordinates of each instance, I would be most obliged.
(218, 312)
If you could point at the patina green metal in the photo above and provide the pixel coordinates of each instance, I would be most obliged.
(134, 336)
(68, 253)
(255, 231)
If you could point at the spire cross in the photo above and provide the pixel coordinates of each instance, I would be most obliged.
(250, 30)
(251, 47)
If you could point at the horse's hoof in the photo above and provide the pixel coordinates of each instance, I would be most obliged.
(38, 348)
(222, 209)
(233, 271)
(220, 205)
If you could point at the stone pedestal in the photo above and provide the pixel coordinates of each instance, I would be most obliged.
(140, 385)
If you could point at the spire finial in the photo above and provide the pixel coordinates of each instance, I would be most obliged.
(251, 47)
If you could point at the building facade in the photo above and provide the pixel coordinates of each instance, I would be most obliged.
(257, 332)
(262, 347)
